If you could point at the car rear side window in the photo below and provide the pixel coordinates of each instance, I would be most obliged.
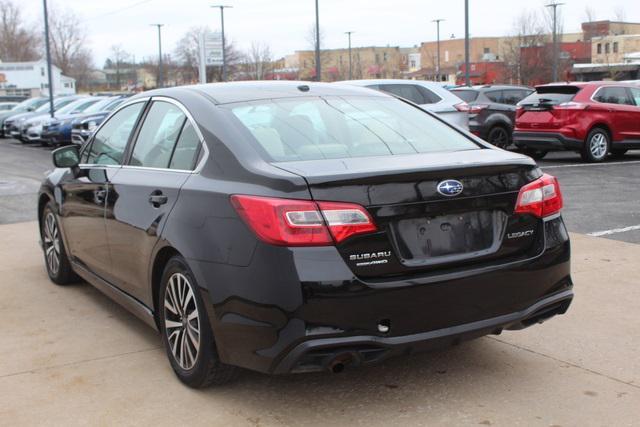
(495, 96)
(187, 149)
(466, 95)
(613, 95)
(111, 140)
(513, 96)
(342, 127)
(158, 135)
(635, 94)
(406, 91)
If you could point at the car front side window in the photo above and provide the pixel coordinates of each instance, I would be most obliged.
(110, 141)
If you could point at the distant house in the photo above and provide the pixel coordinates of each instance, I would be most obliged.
(31, 79)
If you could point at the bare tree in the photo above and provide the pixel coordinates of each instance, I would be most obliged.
(187, 53)
(258, 61)
(69, 50)
(118, 58)
(311, 39)
(620, 14)
(526, 48)
(589, 14)
(18, 42)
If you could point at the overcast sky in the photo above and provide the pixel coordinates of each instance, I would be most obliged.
(284, 24)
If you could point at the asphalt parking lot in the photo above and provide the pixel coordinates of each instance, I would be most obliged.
(70, 356)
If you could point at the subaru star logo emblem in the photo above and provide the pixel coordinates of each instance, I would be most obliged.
(450, 187)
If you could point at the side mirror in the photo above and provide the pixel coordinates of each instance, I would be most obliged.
(66, 157)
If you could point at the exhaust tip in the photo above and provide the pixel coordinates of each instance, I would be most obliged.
(336, 368)
(340, 362)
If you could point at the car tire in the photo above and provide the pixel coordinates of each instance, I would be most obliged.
(596, 146)
(499, 136)
(55, 255)
(618, 152)
(535, 154)
(186, 331)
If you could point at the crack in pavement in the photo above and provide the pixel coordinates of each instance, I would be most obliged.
(79, 362)
(629, 383)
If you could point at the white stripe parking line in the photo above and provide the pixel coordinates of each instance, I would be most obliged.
(614, 231)
(584, 165)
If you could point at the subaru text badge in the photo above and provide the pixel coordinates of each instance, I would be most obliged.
(450, 187)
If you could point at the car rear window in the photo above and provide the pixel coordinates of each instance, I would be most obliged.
(551, 95)
(342, 127)
(466, 95)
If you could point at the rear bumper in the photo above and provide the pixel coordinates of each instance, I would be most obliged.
(321, 354)
(549, 141)
(298, 309)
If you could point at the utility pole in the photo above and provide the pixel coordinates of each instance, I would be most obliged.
(318, 68)
(467, 79)
(437, 21)
(555, 5)
(224, 48)
(159, 82)
(348, 33)
(48, 48)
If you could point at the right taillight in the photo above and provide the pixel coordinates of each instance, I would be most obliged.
(540, 198)
(290, 222)
(471, 109)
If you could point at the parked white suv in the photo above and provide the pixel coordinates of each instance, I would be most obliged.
(429, 95)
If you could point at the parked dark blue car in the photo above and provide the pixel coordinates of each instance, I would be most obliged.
(59, 131)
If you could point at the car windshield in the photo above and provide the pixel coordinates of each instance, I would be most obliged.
(98, 106)
(30, 103)
(341, 127)
(553, 95)
(77, 106)
(114, 104)
(57, 104)
(466, 95)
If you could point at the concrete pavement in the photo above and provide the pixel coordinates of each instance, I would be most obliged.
(70, 356)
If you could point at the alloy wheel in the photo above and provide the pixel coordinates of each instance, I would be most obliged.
(598, 145)
(182, 321)
(52, 243)
(499, 137)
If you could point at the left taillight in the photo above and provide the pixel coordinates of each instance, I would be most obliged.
(289, 222)
(540, 198)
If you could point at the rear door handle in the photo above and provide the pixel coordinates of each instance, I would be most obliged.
(157, 199)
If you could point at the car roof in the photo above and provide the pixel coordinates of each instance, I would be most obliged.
(585, 84)
(225, 93)
(482, 88)
(370, 82)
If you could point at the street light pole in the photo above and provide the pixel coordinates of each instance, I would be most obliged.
(437, 21)
(467, 79)
(224, 47)
(48, 48)
(555, 5)
(318, 68)
(159, 82)
(348, 33)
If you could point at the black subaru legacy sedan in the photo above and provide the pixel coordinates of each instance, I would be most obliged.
(296, 227)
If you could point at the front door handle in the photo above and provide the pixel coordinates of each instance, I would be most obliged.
(157, 199)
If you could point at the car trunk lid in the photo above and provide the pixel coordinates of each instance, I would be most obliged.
(419, 228)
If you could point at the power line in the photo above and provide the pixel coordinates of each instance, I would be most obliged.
(116, 11)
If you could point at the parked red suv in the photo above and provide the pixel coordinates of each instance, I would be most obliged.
(592, 118)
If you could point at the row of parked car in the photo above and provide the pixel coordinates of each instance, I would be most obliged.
(594, 119)
(72, 121)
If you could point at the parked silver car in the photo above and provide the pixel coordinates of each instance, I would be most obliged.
(429, 95)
